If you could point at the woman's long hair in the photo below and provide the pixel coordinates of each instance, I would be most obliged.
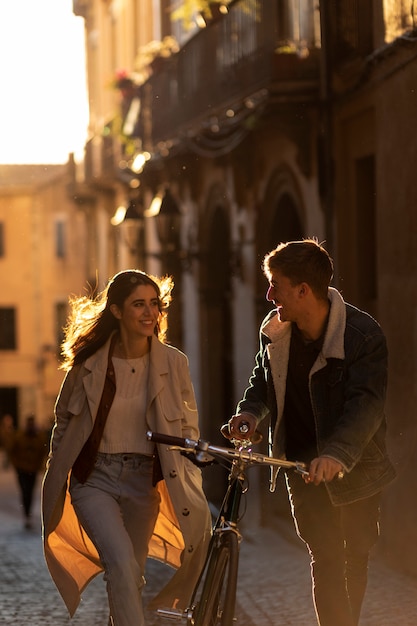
(90, 322)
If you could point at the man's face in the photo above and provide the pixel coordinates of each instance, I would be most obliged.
(285, 296)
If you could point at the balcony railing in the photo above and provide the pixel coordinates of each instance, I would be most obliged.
(258, 47)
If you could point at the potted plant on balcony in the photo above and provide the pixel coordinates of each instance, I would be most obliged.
(124, 83)
(152, 56)
(208, 9)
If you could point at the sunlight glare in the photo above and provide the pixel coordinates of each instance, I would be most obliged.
(43, 109)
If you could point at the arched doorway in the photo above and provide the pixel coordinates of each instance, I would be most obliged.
(279, 221)
(216, 336)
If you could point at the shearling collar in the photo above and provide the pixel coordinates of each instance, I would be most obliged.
(333, 345)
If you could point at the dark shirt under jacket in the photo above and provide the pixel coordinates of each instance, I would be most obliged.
(300, 431)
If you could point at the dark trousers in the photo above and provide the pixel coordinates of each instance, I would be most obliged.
(339, 540)
(27, 482)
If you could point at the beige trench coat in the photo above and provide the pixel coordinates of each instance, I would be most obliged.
(183, 527)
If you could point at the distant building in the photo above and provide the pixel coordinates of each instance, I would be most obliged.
(43, 260)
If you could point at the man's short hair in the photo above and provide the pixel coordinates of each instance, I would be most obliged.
(303, 261)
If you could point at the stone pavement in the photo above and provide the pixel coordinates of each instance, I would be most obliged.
(273, 588)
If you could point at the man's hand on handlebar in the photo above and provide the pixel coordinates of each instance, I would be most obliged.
(323, 469)
(242, 426)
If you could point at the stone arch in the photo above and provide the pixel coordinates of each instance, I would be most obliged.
(281, 218)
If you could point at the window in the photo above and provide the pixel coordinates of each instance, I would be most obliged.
(398, 17)
(7, 328)
(354, 28)
(60, 321)
(60, 236)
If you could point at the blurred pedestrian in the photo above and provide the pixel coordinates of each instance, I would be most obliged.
(321, 377)
(111, 497)
(6, 438)
(28, 452)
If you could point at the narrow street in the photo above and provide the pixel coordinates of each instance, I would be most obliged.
(274, 585)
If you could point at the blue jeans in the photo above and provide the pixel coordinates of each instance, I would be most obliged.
(339, 540)
(118, 506)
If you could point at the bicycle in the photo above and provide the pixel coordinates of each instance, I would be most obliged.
(214, 596)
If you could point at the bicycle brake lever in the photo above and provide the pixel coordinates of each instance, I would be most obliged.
(200, 459)
(301, 468)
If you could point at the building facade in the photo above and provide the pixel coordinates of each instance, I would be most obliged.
(263, 122)
(43, 259)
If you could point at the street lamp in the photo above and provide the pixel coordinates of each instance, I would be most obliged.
(129, 221)
(165, 211)
(168, 221)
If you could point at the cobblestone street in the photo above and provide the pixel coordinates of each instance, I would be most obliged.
(274, 584)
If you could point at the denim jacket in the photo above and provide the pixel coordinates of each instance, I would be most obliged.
(347, 386)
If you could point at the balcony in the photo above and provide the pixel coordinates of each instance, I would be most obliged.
(259, 53)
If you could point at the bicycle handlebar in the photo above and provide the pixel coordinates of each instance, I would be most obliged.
(172, 441)
(229, 453)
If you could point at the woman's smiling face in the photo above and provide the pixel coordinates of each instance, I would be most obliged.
(140, 312)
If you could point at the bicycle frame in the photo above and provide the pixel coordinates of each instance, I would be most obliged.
(214, 596)
(226, 522)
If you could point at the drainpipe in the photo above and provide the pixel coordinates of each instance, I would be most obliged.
(326, 163)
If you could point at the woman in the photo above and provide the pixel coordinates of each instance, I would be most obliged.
(110, 497)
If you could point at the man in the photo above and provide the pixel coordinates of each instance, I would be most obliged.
(321, 375)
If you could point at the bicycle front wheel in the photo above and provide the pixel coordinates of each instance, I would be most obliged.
(216, 606)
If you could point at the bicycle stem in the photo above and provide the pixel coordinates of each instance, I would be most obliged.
(259, 459)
